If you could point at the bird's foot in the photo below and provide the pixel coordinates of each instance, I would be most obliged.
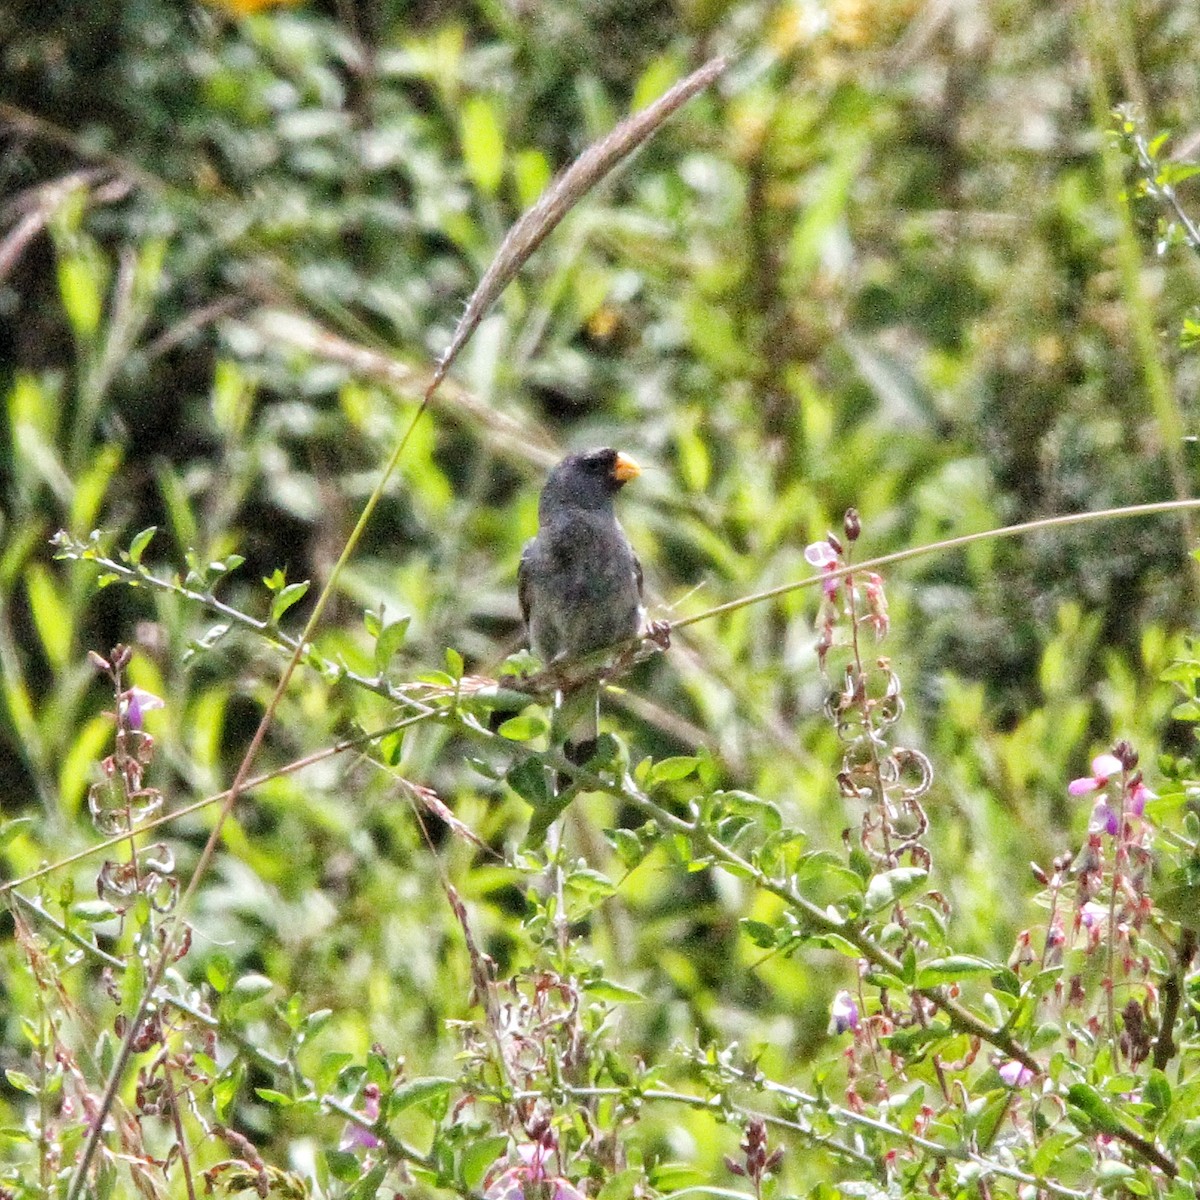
(659, 632)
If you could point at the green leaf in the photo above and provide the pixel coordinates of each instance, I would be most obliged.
(627, 845)
(759, 932)
(11, 830)
(251, 987)
(291, 594)
(232, 398)
(1111, 1174)
(1100, 1114)
(50, 613)
(835, 941)
(316, 1021)
(1173, 173)
(389, 641)
(391, 747)
(21, 1081)
(532, 173)
(273, 1097)
(1046, 1034)
(1157, 1093)
(618, 993)
(177, 501)
(367, 1188)
(525, 726)
(454, 663)
(669, 770)
(140, 541)
(224, 1090)
(219, 971)
(343, 1165)
(951, 968)
(483, 144)
(91, 487)
(93, 911)
(1182, 903)
(418, 1091)
(674, 1176)
(910, 1041)
(528, 779)
(823, 866)
(590, 884)
(860, 863)
(1050, 1149)
(77, 764)
(762, 811)
(889, 887)
(1006, 980)
(80, 283)
(478, 1156)
(621, 1186)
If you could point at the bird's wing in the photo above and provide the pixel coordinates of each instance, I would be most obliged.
(637, 574)
(525, 584)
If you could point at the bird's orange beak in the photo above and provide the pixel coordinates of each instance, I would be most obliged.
(625, 469)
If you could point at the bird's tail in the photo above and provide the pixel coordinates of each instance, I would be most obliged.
(574, 727)
(576, 723)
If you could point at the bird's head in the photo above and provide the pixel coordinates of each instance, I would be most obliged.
(588, 480)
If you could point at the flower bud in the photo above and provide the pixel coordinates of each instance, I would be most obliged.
(1127, 754)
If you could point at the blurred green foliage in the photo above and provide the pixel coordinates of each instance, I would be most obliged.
(877, 265)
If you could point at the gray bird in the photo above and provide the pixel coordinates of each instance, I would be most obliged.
(580, 583)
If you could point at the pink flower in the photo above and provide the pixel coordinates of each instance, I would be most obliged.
(1138, 795)
(529, 1179)
(1015, 1074)
(1104, 767)
(877, 604)
(821, 554)
(516, 1184)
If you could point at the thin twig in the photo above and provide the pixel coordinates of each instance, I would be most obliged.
(562, 195)
(966, 539)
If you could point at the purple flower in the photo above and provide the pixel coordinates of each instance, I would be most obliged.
(1015, 1074)
(1138, 795)
(843, 1013)
(530, 1179)
(1104, 767)
(135, 702)
(517, 1183)
(355, 1136)
(1104, 819)
(820, 554)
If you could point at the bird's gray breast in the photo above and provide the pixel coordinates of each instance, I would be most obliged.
(583, 587)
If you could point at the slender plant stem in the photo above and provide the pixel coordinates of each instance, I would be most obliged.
(839, 1114)
(966, 539)
(354, 743)
(174, 931)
